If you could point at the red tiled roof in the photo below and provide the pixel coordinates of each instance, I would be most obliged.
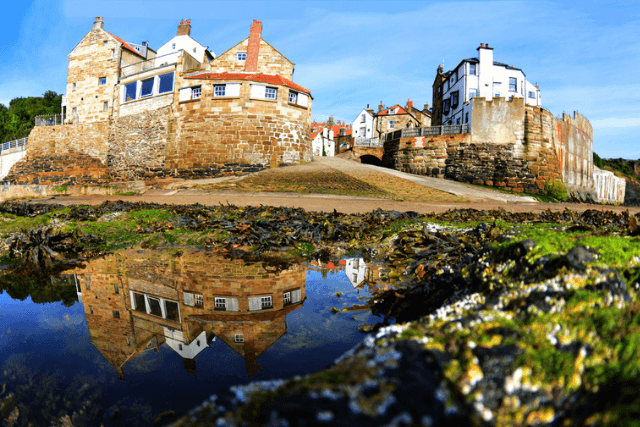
(397, 107)
(314, 134)
(254, 77)
(125, 44)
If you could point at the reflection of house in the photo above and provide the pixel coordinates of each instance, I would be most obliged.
(356, 271)
(133, 305)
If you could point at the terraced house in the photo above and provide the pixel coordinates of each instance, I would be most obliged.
(134, 113)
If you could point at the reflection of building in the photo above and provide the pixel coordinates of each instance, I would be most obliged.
(133, 304)
(356, 271)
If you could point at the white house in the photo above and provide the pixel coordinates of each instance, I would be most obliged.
(323, 136)
(363, 125)
(482, 77)
(168, 52)
(356, 271)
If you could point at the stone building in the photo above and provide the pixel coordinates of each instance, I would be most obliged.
(395, 118)
(133, 114)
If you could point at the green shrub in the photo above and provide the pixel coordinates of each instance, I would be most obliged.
(556, 189)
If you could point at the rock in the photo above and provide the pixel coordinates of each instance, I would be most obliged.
(577, 257)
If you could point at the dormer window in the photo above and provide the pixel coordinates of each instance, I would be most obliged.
(242, 56)
(391, 111)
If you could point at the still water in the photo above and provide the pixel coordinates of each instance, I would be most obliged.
(156, 331)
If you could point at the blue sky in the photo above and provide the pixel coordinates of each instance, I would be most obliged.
(585, 55)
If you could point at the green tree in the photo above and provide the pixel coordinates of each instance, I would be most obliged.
(18, 120)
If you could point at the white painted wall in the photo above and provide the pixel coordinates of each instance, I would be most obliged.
(188, 351)
(608, 187)
(367, 124)
(8, 158)
(356, 271)
(324, 137)
(490, 80)
(178, 43)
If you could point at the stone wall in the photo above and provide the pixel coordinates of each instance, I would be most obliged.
(422, 155)
(574, 137)
(64, 154)
(246, 131)
(269, 60)
(609, 188)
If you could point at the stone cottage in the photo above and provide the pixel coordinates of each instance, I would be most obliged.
(133, 113)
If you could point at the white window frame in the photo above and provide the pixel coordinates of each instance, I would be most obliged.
(147, 306)
(391, 124)
(271, 93)
(364, 118)
(286, 297)
(239, 338)
(196, 92)
(266, 302)
(199, 300)
(153, 84)
(532, 94)
(293, 97)
(241, 56)
(217, 93)
(220, 303)
(513, 80)
(173, 46)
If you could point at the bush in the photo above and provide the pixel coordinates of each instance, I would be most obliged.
(556, 189)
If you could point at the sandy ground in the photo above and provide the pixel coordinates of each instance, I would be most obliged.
(186, 192)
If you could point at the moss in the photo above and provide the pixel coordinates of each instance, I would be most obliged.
(556, 189)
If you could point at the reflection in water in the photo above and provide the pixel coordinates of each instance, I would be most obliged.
(134, 304)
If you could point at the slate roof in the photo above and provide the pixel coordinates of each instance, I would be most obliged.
(273, 79)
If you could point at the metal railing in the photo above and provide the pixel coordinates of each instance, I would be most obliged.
(50, 120)
(13, 144)
(429, 131)
(149, 64)
(368, 142)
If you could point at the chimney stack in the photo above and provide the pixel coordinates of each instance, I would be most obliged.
(426, 106)
(184, 29)
(409, 104)
(380, 107)
(99, 23)
(253, 50)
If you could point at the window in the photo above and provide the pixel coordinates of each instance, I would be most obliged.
(266, 303)
(466, 117)
(452, 81)
(196, 92)
(287, 298)
(74, 86)
(271, 93)
(219, 90)
(220, 304)
(454, 99)
(391, 111)
(532, 94)
(364, 118)
(239, 338)
(391, 124)
(242, 56)
(146, 88)
(172, 311)
(293, 97)
(130, 91)
(75, 111)
(113, 53)
(90, 309)
(166, 83)
(439, 91)
(497, 95)
(154, 306)
(446, 106)
(104, 43)
(138, 300)
(102, 80)
(472, 69)
(363, 132)
(194, 50)
(173, 46)
(199, 300)
(473, 93)
(116, 288)
(513, 84)
(116, 314)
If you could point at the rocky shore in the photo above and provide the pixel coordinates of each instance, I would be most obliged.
(493, 318)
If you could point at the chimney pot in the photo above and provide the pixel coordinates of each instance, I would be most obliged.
(99, 23)
(184, 29)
